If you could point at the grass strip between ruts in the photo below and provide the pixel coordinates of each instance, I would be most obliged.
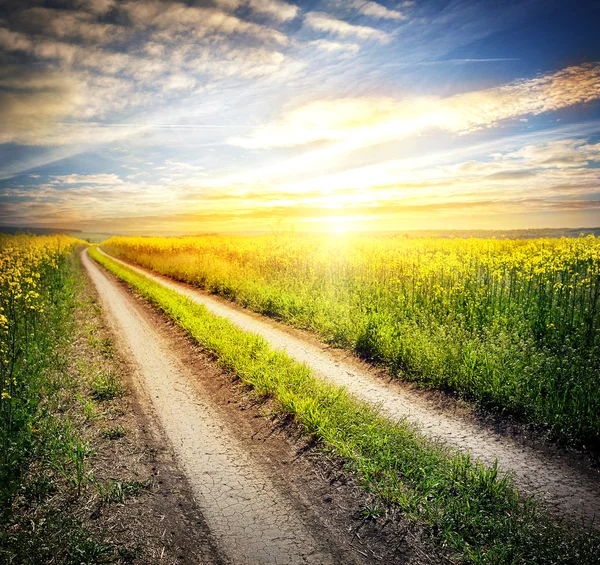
(466, 505)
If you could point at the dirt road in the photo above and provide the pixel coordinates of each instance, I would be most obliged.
(564, 483)
(252, 520)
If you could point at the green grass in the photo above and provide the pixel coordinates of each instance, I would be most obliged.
(465, 505)
(54, 537)
(113, 433)
(44, 464)
(37, 331)
(116, 491)
(105, 386)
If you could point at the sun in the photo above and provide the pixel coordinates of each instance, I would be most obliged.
(338, 226)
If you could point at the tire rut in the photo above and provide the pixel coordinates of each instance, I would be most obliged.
(558, 484)
(251, 520)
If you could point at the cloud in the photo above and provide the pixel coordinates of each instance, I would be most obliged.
(320, 21)
(377, 11)
(31, 101)
(174, 19)
(521, 180)
(68, 24)
(366, 121)
(178, 81)
(71, 55)
(99, 7)
(105, 179)
(561, 154)
(322, 120)
(335, 47)
(278, 10)
(527, 179)
(164, 52)
(239, 62)
(532, 171)
(545, 93)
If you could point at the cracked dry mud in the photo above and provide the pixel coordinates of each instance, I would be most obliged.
(251, 520)
(561, 483)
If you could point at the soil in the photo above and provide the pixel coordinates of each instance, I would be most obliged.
(265, 492)
(161, 523)
(565, 482)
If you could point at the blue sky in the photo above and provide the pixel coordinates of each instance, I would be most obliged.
(148, 116)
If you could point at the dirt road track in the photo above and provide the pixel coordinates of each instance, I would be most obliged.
(252, 520)
(563, 484)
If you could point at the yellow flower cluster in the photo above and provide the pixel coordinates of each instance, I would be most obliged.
(27, 263)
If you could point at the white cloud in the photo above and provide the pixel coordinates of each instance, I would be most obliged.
(334, 46)
(377, 11)
(250, 62)
(561, 154)
(320, 21)
(545, 93)
(278, 10)
(178, 81)
(103, 179)
(366, 121)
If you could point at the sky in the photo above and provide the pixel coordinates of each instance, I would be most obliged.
(185, 117)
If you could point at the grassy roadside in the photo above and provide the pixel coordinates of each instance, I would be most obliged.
(44, 458)
(467, 507)
(84, 485)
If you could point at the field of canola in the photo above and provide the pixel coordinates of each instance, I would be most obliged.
(32, 281)
(513, 324)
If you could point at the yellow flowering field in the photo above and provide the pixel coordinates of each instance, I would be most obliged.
(31, 279)
(513, 324)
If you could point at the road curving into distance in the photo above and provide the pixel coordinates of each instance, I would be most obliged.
(252, 521)
(559, 483)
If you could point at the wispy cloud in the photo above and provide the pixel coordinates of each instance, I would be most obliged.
(335, 46)
(487, 60)
(105, 179)
(31, 101)
(172, 19)
(377, 11)
(87, 70)
(320, 21)
(277, 9)
(363, 122)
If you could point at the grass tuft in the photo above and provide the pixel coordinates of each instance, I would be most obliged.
(105, 386)
(113, 433)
